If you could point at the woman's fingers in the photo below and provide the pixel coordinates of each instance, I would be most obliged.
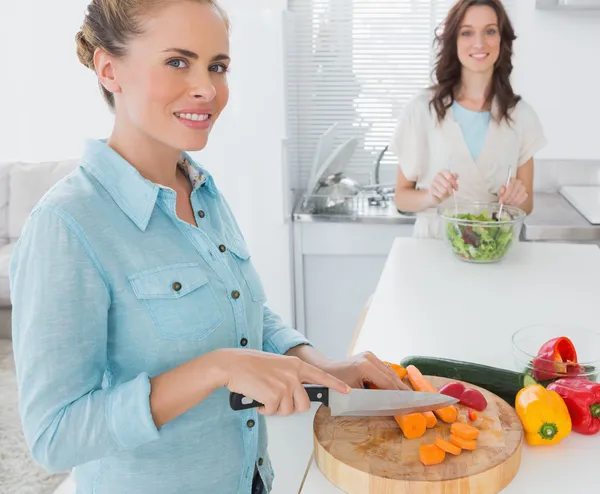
(286, 405)
(451, 179)
(313, 375)
(301, 400)
(517, 195)
(521, 198)
(391, 373)
(441, 190)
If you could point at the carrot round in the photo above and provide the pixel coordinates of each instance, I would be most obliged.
(468, 444)
(419, 383)
(431, 420)
(430, 454)
(447, 447)
(465, 431)
(413, 425)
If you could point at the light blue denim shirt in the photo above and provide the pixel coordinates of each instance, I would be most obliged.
(110, 288)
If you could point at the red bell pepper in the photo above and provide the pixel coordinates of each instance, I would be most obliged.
(582, 398)
(556, 358)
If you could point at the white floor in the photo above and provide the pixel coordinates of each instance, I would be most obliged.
(67, 487)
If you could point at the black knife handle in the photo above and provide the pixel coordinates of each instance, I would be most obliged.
(315, 393)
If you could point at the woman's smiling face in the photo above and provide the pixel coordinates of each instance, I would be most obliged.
(172, 83)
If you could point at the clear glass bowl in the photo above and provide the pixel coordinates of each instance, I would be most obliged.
(527, 341)
(473, 233)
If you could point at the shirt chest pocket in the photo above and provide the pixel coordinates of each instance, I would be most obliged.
(179, 299)
(251, 277)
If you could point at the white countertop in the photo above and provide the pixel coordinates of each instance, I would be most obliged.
(428, 303)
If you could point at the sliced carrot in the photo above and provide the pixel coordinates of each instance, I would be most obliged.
(419, 383)
(447, 447)
(465, 431)
(468, 444)
(413, 425)
(398, 369)
(431, 420)
(430, 454)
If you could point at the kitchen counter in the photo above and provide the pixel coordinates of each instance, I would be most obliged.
(553, 217)
(484, 305)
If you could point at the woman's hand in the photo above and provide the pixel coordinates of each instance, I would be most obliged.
(442, 186)
(363, 369)
(276, 381)
(513, 195)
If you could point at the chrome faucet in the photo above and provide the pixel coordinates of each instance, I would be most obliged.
(381, 199)
(375, 173)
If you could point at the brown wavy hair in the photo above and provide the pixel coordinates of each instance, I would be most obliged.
(448, 68)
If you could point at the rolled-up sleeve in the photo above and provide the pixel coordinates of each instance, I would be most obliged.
(533, 138)
(277, 337)
(61, 300)
(409, 140)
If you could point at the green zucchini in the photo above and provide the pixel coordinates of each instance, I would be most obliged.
(502, 382)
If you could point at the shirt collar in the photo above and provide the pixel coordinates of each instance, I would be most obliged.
(134, 194)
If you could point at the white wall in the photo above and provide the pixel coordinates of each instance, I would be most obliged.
(49, 104)
(246, 152)
(557, 69)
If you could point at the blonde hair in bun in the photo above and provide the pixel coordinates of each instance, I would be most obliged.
(110, 24)
(85, 51)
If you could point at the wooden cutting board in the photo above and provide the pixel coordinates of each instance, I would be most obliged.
(370, 455)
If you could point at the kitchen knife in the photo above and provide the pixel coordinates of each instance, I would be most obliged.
(363, 402)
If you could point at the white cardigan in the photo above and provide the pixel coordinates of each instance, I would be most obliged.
(425, 146)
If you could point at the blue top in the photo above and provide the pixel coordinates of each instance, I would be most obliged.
(474, 127)
(110, 288)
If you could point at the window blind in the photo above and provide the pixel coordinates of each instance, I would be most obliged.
(355, 63)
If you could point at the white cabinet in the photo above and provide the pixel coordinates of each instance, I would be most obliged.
(337, 266)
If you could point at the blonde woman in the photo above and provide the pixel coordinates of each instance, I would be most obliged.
(136, 307)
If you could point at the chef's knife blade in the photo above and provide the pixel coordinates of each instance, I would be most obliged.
(382, 403)
(363, 402)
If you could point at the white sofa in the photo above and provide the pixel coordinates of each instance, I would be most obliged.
(22, 185)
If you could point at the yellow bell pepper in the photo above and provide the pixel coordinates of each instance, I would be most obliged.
(544, 415)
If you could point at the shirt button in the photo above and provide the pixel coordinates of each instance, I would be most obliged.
(260, 462)
(250, 423)
(201, 214)
(235, 294)
(177, 286)
(222, 248)
(243, 342)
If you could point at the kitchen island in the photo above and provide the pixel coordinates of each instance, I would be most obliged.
(429, 303)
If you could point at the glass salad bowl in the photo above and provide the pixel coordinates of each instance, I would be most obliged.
(479, 232)
(547, 352)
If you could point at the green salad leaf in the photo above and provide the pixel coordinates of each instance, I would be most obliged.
(480, 242)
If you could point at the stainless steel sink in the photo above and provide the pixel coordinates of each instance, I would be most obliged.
(364, 207)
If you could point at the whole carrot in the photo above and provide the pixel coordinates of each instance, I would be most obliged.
(419, 383)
